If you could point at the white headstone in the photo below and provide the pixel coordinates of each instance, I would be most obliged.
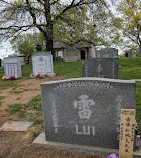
(42, 62)
(12, 66)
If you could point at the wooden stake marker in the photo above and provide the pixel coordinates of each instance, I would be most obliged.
(127, 130)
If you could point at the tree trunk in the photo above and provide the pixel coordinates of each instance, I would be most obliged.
(49, 39)
(49, 27)
(49, 45)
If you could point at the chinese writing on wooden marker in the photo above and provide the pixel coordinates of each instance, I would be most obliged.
(127, 130)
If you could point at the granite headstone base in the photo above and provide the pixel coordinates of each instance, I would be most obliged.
(40, 141)
(51, 74)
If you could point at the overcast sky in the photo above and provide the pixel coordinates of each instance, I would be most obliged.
(5, 49)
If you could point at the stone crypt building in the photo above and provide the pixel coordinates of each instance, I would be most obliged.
(78, 51)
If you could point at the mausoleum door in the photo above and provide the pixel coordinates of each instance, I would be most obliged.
(83, 54)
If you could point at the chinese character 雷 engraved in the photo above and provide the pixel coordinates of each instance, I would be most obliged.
(84, 106)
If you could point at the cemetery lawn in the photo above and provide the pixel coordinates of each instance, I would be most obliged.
(130, 68)
(20, 100)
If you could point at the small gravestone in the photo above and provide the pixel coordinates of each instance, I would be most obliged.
(42, 63)
(12, 66)
(86, 111)
(134, 55)
(100, 67)
(130, 53)
(106, 53)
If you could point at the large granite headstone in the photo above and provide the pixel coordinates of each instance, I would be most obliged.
(42, 62)
(12, 66)
(100, 67)
(106, 53)
(86, 111)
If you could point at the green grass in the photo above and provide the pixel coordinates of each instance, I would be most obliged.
(1, 71)
(26, 71)
(17, 108)
(1, 97)
(68, 69)
(36, 103)
(33, 133)
(138, 101)
(17, 92)
(130, 68)
(38, 121)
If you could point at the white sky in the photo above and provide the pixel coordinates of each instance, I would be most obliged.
(5, 49)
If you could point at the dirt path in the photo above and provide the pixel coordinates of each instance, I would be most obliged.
(18, 144)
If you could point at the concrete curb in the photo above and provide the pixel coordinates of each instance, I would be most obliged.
(138, 80)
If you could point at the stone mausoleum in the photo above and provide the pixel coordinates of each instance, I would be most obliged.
(78, 51)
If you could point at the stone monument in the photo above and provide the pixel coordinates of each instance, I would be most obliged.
(130, 53)
(86, 111)
(12, 66)
(100, 67)
(42, 62)
(106, 53)
(134, 55)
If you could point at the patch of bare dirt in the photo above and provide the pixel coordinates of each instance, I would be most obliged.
(18, 145)
(25, 91)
